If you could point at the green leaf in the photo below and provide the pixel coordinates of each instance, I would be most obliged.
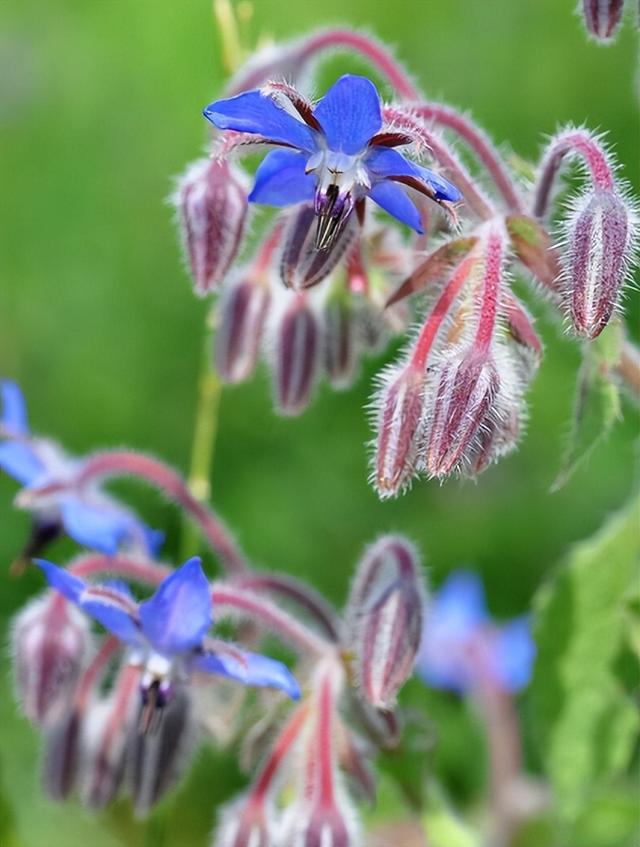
(585, 722)
(597, 405)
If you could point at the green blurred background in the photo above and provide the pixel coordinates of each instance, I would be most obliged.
(100, 105)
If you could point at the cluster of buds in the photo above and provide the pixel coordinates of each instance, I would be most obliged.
(332, 266)
(124, 705)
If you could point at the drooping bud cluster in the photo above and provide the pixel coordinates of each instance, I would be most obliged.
(455, 403)
(306, 332)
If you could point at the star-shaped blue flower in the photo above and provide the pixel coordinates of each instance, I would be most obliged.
(167, 634)
(462, 647)
(90, 516)
(336, 155)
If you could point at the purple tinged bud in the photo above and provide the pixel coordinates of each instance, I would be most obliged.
(157, 758)
(62, 755)
(463, 403)
(340, 342)
(385, 611)
(296, 355)
(50, 642)
(602, 18)
(211, 199)
(399, 407)
(302, 264)
(105, 733)
(599, 241)
(242, 314)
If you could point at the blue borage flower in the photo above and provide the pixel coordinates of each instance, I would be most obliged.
(337, 153)
(167, 634)
(462, 647)
(89, 516)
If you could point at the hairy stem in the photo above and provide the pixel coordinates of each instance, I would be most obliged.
(572, 142)
(128, 463)
(294, 58)
(257, 610)
(476, 140)
(204, 437)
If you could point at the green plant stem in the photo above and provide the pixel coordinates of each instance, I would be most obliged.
(204, 438)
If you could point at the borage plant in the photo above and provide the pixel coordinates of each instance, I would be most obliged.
(378, 206)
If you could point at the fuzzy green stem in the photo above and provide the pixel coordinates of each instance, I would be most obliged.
(204, 439)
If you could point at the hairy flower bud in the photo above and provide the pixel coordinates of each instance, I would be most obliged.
(105, 731)
(50, 641)
(157, 757)
(602, 18)
(463, 402)
(599, 241)
(211, 199)
(61, 758)
(242, 314)
(398, 406)
(302, 264)
(296, 355)
(340, 342)
(385, 612)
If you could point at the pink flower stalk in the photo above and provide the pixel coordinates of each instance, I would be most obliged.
(295, 341)
(474, 385)
(602, 18)
(321, 816)
(50, 642)
(600, 233)
(385, 613)
(402, 395)
(211, 199)
(251, 820)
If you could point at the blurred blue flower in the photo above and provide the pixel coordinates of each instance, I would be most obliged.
(462, 648)
(89, 516)
(167, 634)
(336, 153)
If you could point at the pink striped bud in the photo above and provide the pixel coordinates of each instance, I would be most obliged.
(296, 355)
(211, 199)
(385, 613)
(106, 727)
(50, 641)
(476, 412)
(340, 342)
(157, 758)
(602, 18)
(398, 404)
(242, 314)
(463, 402)
(62, 755)
(302, 264)
(599, 241)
